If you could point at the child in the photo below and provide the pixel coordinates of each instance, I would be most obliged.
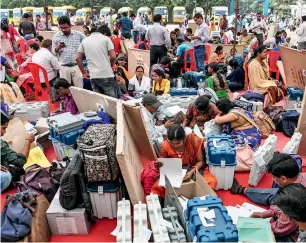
(67, 101)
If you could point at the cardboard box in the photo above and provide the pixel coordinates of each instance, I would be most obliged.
(189, 190)
(67, 222)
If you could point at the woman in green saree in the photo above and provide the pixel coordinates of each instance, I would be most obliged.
(217, 81)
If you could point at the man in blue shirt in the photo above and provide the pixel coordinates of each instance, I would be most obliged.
(126, 26)
(180, 53)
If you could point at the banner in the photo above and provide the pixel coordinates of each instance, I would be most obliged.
(137, 58)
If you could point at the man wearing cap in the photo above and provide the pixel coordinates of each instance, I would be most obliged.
(11, 162)
(151, 106)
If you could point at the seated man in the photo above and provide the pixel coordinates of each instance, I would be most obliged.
(291, 199)
(67, 101)
(284, 170)
(180, 53)
(11, 162)
(238, 57)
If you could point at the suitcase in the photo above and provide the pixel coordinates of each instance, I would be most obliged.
(183, 91)
(30, 111)
(221, 159)
(40, 231)
(223, 229)
(295, 93)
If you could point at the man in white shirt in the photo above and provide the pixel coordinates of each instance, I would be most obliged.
(136, 26)
(45, 58)
(302, 34)
(100, 57)
(72, 19)
(150, 106)
(282, 24)
(230, 34)
(259, 26)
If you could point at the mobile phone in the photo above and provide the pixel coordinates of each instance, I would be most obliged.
(63, 43)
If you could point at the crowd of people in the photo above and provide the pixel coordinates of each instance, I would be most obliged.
(72, 56)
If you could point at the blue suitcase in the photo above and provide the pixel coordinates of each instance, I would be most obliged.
(295, 93)
(223, 230)
(221, 150)
(183, 91)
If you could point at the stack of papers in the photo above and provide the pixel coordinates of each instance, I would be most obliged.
(254, 230)
(172, 168)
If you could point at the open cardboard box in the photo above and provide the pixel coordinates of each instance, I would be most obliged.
(197, 188)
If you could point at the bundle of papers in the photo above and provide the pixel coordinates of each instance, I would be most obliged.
(254, 230)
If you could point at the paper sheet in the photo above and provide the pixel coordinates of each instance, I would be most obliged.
(172, 168)
(187, 130)
(174, 109)
(197, 131)
(37, 156)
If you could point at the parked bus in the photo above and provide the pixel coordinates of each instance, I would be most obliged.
(106, 10)
(7, 13)
(163, 11)
(127, 10)
(81, 15)
(218, 12)
(198, 10)
(62, 11)
(145, 11)
(179, 14)
(41, 11)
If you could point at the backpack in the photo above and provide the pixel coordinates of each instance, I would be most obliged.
(38, 181)
(288, 123)
(98, 147)
(148, 177)
(57, 169)
(264, 123)
(16, 217)
(191, 79)
(72, 187)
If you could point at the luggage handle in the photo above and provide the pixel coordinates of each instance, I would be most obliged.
(215, 142)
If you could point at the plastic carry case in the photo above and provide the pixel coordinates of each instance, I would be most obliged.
(261, 158)
(104, 197)
(140, 223)
(177, 233)
(295, 93)
(69, 138)
(160, 233)
(64, 123)
(183, 91)
(221, 229)
(30, 111)
(124, 221)
(221, 158)
(293, 145)
(182, 102)
(62, 150)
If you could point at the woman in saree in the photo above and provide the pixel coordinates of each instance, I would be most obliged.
(190, 149)
(260, 80)
(200, 112)
(217, 81)
(238, 123)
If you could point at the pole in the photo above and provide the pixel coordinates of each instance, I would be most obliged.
(46, 13)
(236, 20)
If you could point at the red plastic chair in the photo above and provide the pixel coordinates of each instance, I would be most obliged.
(193, 65)
(40, 93)
(208, 48)
(29, 42)
(246, 76)
(273, 57)
(22, 45)
(19, 59)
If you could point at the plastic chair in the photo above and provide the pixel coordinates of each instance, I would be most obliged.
(29, 42)
(22, 45)
(19, 58)
(272, 58)
(40, 93)
(246, 76)
(193, 65)
(208, 48)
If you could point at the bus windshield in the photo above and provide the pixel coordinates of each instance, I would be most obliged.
(80, 14)
(59, 13)
(4, 14)
(179, 12)
(160, 11)
(17, 14)
(38, 13)
(220, 11)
